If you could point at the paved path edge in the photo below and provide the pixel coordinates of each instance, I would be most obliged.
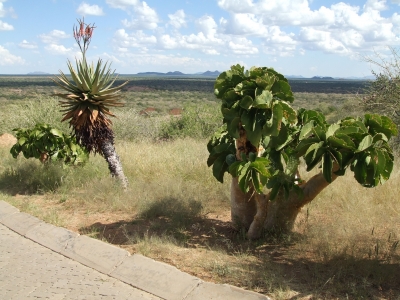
(157, 278)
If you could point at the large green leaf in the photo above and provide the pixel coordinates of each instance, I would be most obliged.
(265, 81)
(306, 130)
(246, 102)
(273, 126)
(331, 130)
(340, 140)
(264, 100)
(288, 112)
(219, 168)
(233, 127)
(303, 146)
(314, 155)
(365, 143)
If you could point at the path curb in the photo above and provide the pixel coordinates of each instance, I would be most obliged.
(157, 278)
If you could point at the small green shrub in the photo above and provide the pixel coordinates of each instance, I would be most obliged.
(196, 121)
(48, 144)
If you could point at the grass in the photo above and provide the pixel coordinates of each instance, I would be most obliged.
(345, 244)
(176, 212)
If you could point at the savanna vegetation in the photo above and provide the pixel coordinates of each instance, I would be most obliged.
(342, 245)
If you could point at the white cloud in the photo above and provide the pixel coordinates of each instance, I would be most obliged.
(9, 59)
(279, 12)
(243, 24)
(242, 46)
(53, 37)
(122, 4)
(144, 17)
(341, 28)
(208, 40)
(2, 10)
(211, 52)
(58, 49)
(375, 5)
(321, 40)
(161, 61)
(85, 9)
(207, 25)
(5, 26)
(26, 45)
(177, 19)
(396, 2)
(138, 39)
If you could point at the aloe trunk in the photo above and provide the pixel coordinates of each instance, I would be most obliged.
(114, 162)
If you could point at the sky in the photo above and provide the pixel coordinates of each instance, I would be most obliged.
(295, 37)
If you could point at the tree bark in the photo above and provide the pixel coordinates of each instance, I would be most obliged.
(114, 163)
(243, 206)
(257, 212)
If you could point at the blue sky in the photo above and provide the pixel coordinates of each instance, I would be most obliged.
(296, 37)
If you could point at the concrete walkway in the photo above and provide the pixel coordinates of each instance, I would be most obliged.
(42, 261)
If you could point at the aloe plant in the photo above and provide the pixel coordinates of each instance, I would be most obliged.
(263, 139)
(87, 101)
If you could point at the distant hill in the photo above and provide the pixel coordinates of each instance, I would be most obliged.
(210, 73)
(178, 73)
(175, 73)
(294, 76)
(151, 73)
(323, 78)
(38, 73)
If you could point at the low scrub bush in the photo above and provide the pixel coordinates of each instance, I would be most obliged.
(26, 114)
(198, 121)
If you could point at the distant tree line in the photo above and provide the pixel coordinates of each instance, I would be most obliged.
(203, 84)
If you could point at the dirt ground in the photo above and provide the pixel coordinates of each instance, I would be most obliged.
(196, 249)
(7, 140)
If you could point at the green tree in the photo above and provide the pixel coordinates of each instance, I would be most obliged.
(263, 139)
(89, 96)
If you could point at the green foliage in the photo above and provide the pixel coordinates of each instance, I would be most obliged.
(258, 102)
(196, 121)
(47, 143)
(221, 148)
(27, 113)
(257, 99)
(90, 87)
(359, 143)
(252, 170)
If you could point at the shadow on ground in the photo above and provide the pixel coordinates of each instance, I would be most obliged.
(273, 261)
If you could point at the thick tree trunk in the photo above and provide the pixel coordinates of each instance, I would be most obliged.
(243, 206)
(257, 212)
(114, 163)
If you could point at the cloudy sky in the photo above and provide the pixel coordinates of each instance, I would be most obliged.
(296, 37)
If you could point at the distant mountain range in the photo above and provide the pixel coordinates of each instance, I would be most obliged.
(38, 73)
(216, 73)
(177, 73)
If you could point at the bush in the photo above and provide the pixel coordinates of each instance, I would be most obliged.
(48, 144)
(130, 126)
(27, 114)
(196, 121)
(383, 95)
